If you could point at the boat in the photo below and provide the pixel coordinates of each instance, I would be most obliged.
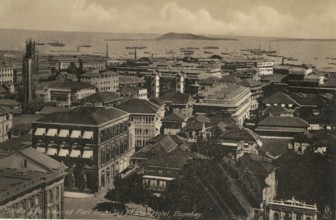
(211, 48)
(146, 52)
(56, 44)
(85, 45)
(208, 52)
(39, 43)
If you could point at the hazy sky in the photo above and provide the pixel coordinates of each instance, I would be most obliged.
(285, 18)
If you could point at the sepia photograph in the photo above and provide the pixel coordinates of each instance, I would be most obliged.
(168, 109)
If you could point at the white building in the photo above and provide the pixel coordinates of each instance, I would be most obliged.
(6, 74)
(105, 81)
(6, 123)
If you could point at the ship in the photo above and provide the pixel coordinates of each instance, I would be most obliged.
(85, 45)
(39, 43)
(208, 52)
(211, 48)
(56, 44)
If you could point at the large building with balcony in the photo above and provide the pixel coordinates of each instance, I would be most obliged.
(265, 67)
(32, 185)
(232, 100)
(146, 117)
(107, 81)
(94, 142)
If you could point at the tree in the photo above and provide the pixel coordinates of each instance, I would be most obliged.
(129, 189)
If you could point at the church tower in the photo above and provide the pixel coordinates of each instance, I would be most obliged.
(29, 72)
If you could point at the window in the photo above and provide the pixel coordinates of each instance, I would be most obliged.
(57, 193)
(51, 196)
(103, 178)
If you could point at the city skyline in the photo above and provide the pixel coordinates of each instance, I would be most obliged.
(299, 19)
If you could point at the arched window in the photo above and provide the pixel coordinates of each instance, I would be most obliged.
(298, 216)
(108, 175)
(308, 218)
(102, 178)
(276, 216)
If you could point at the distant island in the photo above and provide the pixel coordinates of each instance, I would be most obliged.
(187, 36)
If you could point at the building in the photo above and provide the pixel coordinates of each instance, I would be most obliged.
(6, 74)
(256, 90)
(280, 99)
(29, 71)
(291, 209)
(64, 94)
(165, 81)
(278, 126)
(146, 117)
(265, 67)
(162, 160)
(233, 100)
(133, 92)
(63, 62)
(204, 127)
(173, 123)
(100, 99)
(131, 81)
(94, 142)
(6, 123)
(13, 105)
(237, 142)
(178, 103)
(32, 186)
(107, 81)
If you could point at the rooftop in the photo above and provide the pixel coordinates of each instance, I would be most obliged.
(84, 115)
(279, 98)
(274, 146)
(130, 80)
(140, 106)
(278, 121)
(72, 86)
(276, 110)
(97, 73)
(175, 98)
(101, 97)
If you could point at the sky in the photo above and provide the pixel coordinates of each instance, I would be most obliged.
(273, 18)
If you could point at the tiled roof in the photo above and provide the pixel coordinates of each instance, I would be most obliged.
(237, 135)
(274, 146)
(276, 110)
(16, 143)
(161, 144)
(307, 99)
(84, 115)
(175, 159)
(278, 121)
(48, 110)
(209, 81)
(97, 73)
(250, 83)
(279, 98)
(102, 97)
(130, 80)
(4, 110)
(173, 118)
(139, 106)
(73, 86)
(9, 102)
(175, 98)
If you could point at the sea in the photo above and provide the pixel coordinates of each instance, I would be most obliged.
(318, 52)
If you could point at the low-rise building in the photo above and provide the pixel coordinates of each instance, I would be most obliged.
(146, 117)
(107, 81)
(6, 74)
(291, 209)
(64, 94)
(179, 103)
(6, 123)
(100, 99)
(32, 185)
(278, 126)
(94, 142)
(133, 92)
(162, 160)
